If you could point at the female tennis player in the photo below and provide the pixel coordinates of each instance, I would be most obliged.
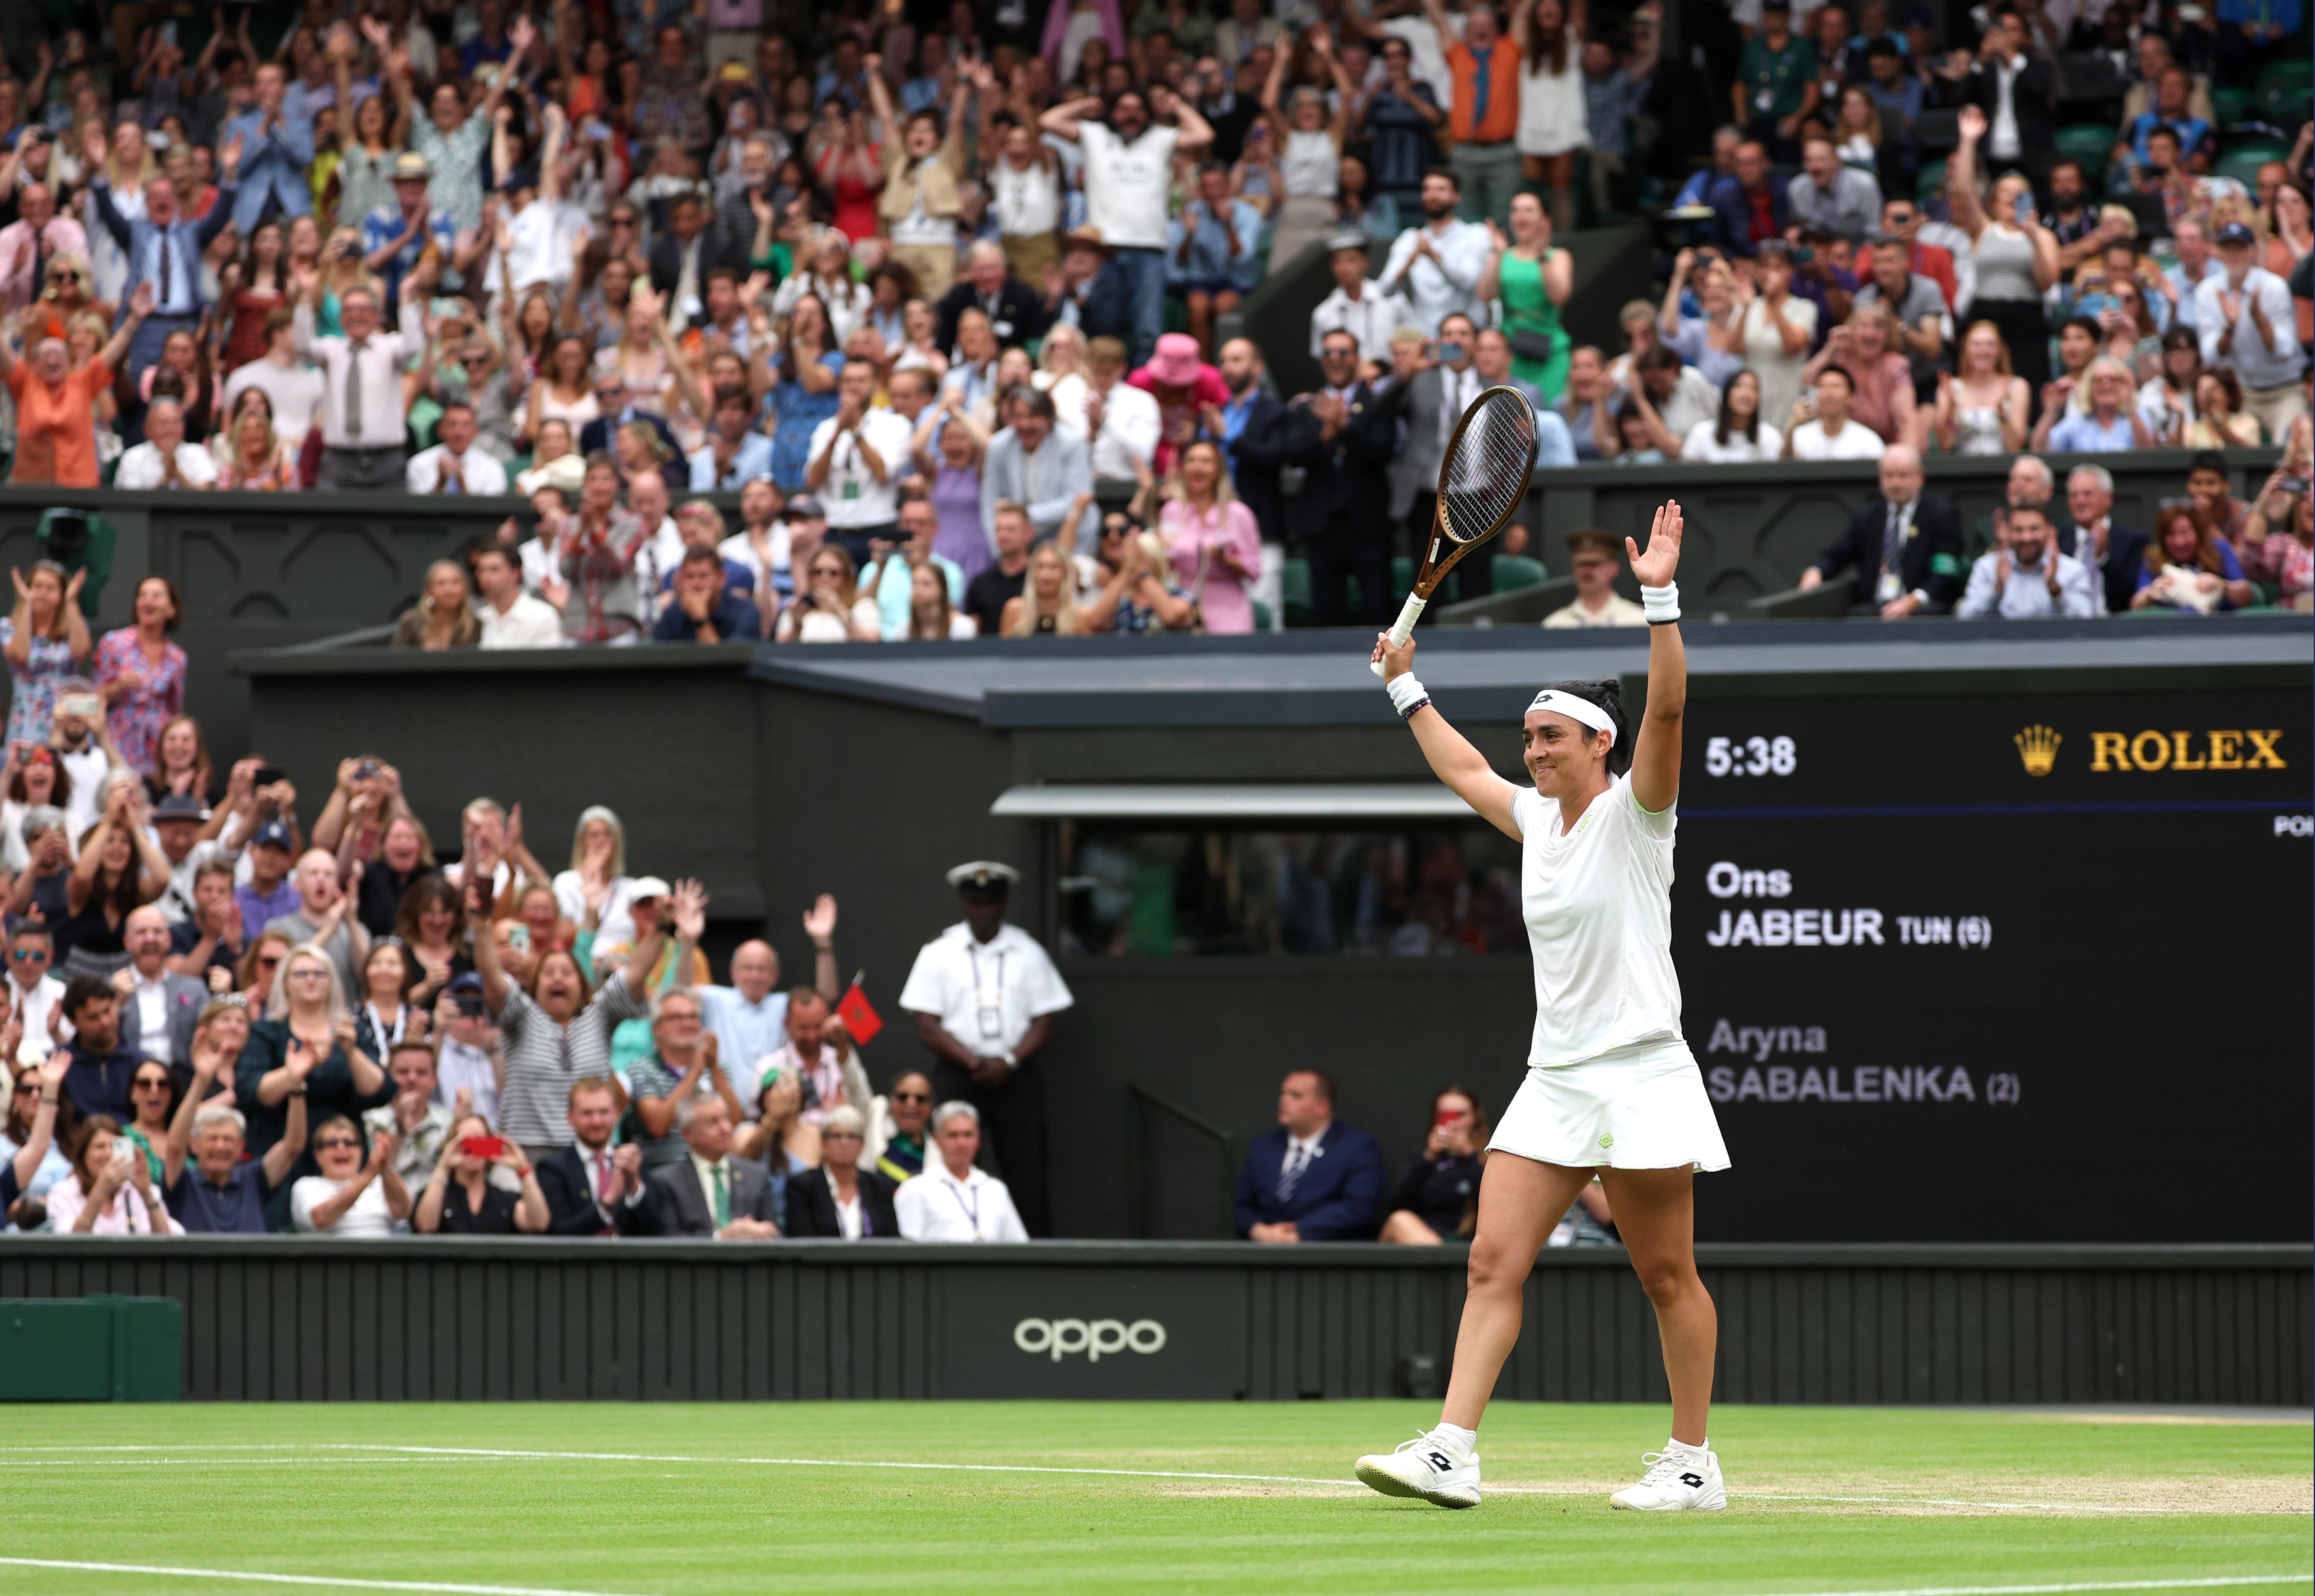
(1611, 1089)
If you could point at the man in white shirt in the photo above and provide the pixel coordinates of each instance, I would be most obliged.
(455, 465)
(2026, 577)
(1120, 422)
(294, 387)
(511, 618)
(541, 235)
(984, 995)
(164, 459)
(1592, 557)
(1358, 305)
(662, 550)
(1437, 266)
(1127, 175)
(854, 457)
(2247, 322)
(365, 406)
(33, 993)
(158, 1010)
(953, 1201)
(2196, 263)
(1821, 430)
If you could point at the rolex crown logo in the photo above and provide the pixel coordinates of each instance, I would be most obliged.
(2037, 746)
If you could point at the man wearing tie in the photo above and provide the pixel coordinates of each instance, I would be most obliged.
(593, 1188)
(711, 1190)
(277, 147)
(365, 400)
(163, 247)
(1904, 546)
(1310, 1179)
(27, 244)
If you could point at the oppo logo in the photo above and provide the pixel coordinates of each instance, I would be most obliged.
(1100, 1338)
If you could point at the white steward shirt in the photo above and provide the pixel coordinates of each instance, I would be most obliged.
(852, 495)
(1126, 184)
(936, 1206)
(986, 995)
(1598, 907)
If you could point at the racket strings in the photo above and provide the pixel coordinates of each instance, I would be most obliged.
(1487, 478)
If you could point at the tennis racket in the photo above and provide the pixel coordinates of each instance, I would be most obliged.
(1482, 483)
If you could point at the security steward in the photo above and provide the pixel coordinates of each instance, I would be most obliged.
(984, 994)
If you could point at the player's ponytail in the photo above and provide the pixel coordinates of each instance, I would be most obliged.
(1609, 696)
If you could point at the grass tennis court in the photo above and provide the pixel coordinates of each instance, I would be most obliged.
(669, 1500)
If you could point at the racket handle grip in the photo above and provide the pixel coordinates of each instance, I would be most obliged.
(1403, 628)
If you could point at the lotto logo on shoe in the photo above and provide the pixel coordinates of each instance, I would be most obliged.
(1097, 1339)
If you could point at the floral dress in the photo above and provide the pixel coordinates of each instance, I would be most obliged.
(33, 703)
(137, 717)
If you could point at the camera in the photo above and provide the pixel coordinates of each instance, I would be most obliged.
(470, 1005)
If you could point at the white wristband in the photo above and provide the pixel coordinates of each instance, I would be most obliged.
(1405, 692)
(1662, 604)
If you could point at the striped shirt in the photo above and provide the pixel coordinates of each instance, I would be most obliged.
(543, 1059)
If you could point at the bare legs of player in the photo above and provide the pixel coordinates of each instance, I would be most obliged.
(1520, 1201)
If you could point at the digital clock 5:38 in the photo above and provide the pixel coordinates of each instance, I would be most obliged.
(1750, 756)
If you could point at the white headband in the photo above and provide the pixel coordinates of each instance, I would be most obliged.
(1580, 709)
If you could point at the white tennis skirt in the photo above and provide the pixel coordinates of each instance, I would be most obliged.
(1638, 1107)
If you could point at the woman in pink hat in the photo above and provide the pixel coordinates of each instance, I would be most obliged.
(1183, 386)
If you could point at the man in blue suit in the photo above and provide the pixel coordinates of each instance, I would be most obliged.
(1310, 1179)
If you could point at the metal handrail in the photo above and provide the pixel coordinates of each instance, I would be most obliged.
(1138, 1100)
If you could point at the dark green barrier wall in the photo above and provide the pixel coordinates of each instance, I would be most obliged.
(272, 1319)
(96, 1349)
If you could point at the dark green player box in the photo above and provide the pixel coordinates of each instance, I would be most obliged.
(91, 1349)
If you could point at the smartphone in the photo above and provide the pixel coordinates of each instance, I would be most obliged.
(87, 707)
(267, 774)
(481, 1146)
(1444, 1118)
(519, 937)
(2292, 485)
(594, 130)
(470, 1005)
(366, 771)
(124, 1153)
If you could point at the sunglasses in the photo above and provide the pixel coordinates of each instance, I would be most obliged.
(273, 963)
(146, 1083)
(623, 221)
(24, 1088)
(28, 956)
(913, 1096)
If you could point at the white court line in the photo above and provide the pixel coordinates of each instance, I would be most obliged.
(2167, 1584)
(292, 1579)
(414, 1454)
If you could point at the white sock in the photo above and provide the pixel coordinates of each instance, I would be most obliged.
(1675, 1444)
(1466, 1439)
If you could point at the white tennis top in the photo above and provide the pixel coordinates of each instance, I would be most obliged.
(1598, 907)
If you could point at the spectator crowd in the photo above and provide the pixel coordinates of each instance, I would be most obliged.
(943, 295)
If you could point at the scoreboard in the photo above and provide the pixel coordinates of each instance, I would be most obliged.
(2004, 966)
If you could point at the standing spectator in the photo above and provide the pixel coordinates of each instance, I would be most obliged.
(854, 460)
(1358, 305)
(364, 395)
(706, 1189)
(594, 581)
(984, 994)
(2014, 94)
(1211, 540)
(306, 1044)
(1554, 104)
(37, 236)
(1594, 560)
(818, 1054)
(273, 143)
(217, 1191)
(1026, 190)
(952, 1200)
(164, 249)
(1532, 280)
(57, 399)
(1308, 138)
(1340, 436)
(1127, 162)
(2026, 578)
(1485, 119)
(44, 639)
(1776, 89)
(1905, 547)
(2247, 320)
(453, 141)
(1777, 328)
(2114, 554)
(1210, 252)
(1402, 113)
(1036, 464)
(922, 166)
(323, 920)
(292, 389)
(1438, 265)
(1310, 1179)
(2014, 259)
(420, 1125)
(1916, 305)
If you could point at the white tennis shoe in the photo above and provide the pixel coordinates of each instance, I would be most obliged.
(1676, 1479)
(1440, 1472)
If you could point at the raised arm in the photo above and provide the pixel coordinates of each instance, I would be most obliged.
(1061, 120)
(1961, 175)
(1655, 745)
(1452, 758)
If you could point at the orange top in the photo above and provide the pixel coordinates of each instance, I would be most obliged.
(1495, 119)
(56, 428)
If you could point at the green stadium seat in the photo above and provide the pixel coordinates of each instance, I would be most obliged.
(2230, 103)
(1294, 592)
(2241, 162)
(1402, 580)
(1931, 182)
(2088, 143)
(1261, 615)
(1514, 571)
(2282, 92)
(2295, 71)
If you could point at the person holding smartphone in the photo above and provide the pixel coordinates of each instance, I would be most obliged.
(1437, 1197)
(462, 1199)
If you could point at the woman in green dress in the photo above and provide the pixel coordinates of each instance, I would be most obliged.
(1532, 279)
